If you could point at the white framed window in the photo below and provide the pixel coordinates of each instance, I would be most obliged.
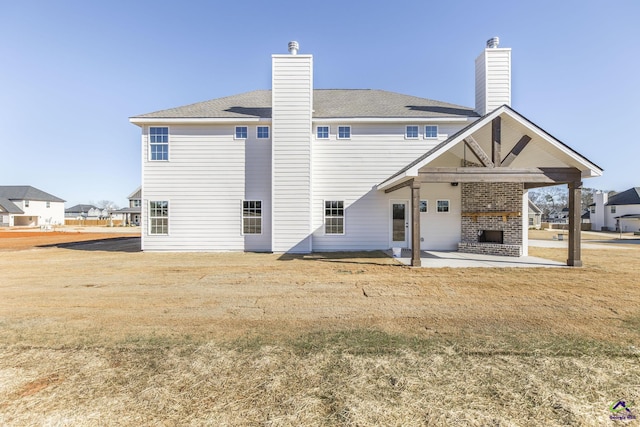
(344, 132)
(48, 204)
(322, 132)
(159, 143)
(431, 132)
(442, 206)
(263, 132)
(411, 132)
(424, 206)
(613, 209)
(26, 203)
(592, 209)
(137, 203)
(530, 221)
(241, 132)
(334, 217)
(159, 217)
(252, 217)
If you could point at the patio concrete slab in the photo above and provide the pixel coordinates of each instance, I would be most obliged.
(454, 259)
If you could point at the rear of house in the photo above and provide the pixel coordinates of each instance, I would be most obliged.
(297, 169)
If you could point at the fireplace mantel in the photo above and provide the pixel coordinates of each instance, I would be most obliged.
(504, 214)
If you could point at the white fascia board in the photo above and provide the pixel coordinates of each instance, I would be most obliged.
(200, 121)
(392, 120)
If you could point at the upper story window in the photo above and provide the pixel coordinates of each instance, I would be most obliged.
(26, 203)
(431, 131)
(159, 143)
(252, 217)
(322, 132)
(442, 206)
(48, 204)
(613, 209)
(159, 217)
(411, 132)
(334, 217)
(344, 132)
(592, 209)
(241, 132)
(263, 132)
(136, 203)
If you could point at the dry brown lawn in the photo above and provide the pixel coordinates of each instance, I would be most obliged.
(101, 337)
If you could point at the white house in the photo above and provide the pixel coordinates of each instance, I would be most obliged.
(131, 214)
(297, 169)
(23, 205)
(620, 212)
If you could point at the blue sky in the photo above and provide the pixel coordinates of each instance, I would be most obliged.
(73, 72)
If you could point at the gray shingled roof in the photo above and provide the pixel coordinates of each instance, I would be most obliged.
(79, 208)
(327, 103)
(628, 197)
(8, 206)
(26, 192)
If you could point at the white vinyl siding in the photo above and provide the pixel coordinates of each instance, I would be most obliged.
(493, 79)
(349, 172)
(439, 231)
(203, 182)
(291, 134)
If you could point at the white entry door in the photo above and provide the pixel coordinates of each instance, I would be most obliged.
(399, 224)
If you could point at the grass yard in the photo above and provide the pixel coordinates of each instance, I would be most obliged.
(102, 337)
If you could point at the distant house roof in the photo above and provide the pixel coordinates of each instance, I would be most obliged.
(137, 194)
(80, 208)
(534, 208)
(26, 192)
(628, 197)
(327, 103)
(135, 210)
(8, 206)
(586, 215)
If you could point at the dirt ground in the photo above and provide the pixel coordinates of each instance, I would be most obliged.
(293, 336)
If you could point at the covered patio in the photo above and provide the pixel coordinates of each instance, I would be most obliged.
(494, 187)
(455, 259)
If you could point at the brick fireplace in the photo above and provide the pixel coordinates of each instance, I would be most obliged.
(492, 218)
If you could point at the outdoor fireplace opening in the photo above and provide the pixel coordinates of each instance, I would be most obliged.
(490, 236)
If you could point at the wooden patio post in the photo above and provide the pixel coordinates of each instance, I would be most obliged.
(415, 223)
(575, 190)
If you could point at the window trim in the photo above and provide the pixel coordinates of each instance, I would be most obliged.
(426, 133)
(258, 132)
(426, 206)
(343, 216)
(26, 203)
(406, 132)
(150, 218)
(159, 143)
(345, 127)
(613, 209)
(323, 137)
(448, 205)
(243, 217)
(246, 132)
(48, 204)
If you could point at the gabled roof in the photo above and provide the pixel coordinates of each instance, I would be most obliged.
(80, 208)
(8, 206)
(137, 194)
(327, 103)
(26, 192)
(411, 170)
(628, 197)
(533, 207)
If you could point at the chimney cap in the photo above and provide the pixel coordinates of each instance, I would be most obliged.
(493, 42)
(293, 47)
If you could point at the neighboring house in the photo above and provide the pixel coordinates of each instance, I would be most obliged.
(296, 169)
(26, 206)
(131, 214)
(80, 211)
(535, 216)
(619, 212)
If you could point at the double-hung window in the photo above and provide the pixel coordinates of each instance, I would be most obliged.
(263, 132)
(424, 206)
(322, 132)
(252, 217)
(334, 217)
(411, 132)
(159, 217)
(344, 132)
(613, 209)
(430, 132)
(442, 206)
(48, 204)
(159, 143)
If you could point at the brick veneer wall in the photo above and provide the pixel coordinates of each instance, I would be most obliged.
(492, 197)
